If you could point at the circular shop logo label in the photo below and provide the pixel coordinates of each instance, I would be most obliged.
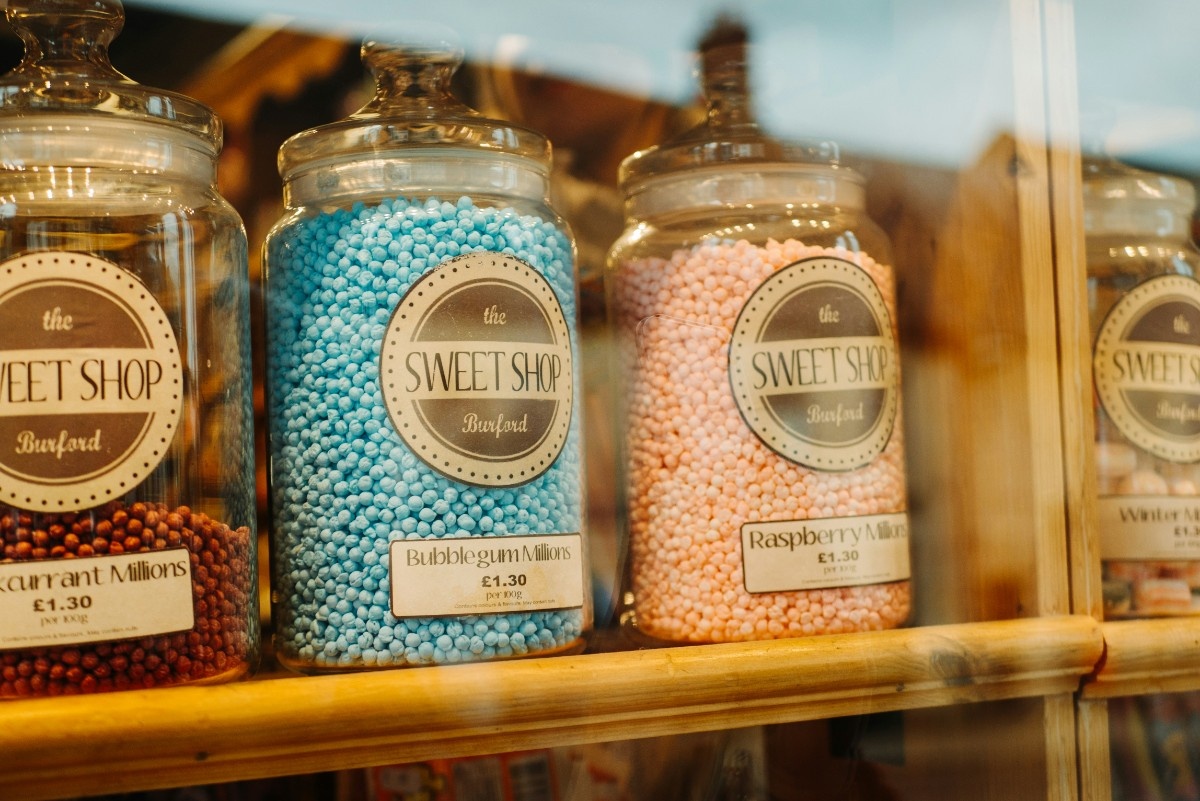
(477, 371)
(91, 381)
(1146, 365)
(813, 365)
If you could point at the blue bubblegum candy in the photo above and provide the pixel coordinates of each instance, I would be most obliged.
(343, 483)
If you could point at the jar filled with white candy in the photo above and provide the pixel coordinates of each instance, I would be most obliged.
(1144, 307)
(754, 308)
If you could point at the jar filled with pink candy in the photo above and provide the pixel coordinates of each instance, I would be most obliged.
(755, 313)
(1144, 306)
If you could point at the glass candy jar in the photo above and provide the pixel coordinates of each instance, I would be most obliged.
(127, 507)
(1144, 307)
(426, 475)
(756, 322)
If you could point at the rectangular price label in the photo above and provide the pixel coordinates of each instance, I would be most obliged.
(1149, 527)
(97, 599)
(486, 575)
(790, 555)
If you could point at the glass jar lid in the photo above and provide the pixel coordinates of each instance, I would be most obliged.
(727, 160)
(444, 143)
(65, 82)
(1121, 200)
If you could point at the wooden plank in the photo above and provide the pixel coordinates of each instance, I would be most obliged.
(1095, 762)
(1070, 258)
(1046, 400)
(1093, 767)
(188, 735)
(1037, 269)
(1062, 765)
(1148, 656)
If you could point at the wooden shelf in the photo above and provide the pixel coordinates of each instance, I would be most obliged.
(1147, 656)
(283, 724)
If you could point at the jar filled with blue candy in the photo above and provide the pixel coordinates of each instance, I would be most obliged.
(422, 382)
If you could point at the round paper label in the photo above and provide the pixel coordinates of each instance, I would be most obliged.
(1146, 365)
(813, 365)
(477, 371)
(91, 381)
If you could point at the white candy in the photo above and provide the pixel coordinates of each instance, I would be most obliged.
(1143, 482)
(1114, 460)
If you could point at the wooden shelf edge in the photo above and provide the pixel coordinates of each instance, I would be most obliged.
(266, 727)
(1147, 656)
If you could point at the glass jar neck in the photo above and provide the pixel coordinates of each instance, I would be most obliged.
(86, 142)
(1138, 250)
(745, 186)
(447, 173)
(1136, 221)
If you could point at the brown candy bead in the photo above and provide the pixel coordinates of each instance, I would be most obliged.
(219, 642)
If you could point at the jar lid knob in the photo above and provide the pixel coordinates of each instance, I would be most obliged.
(723, 74)
(412, 73)
(66, 37)
(66, 69)
(414, 111)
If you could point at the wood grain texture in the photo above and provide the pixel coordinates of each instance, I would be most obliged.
(1041, 331)
(278, 726)
(1095, 762)
(1034, 163)
(1062, 761)
(1070, 257)
(1074, 339)
(980, 517)
(1148, 656)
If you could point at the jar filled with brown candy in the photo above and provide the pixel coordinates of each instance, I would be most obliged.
(126, 458)
(1144, 304)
